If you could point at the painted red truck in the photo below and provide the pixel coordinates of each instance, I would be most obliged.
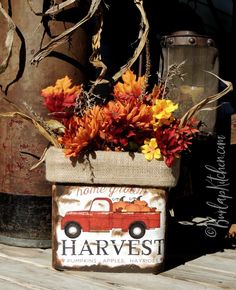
(101, 217)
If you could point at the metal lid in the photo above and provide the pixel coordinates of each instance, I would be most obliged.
(185, 37)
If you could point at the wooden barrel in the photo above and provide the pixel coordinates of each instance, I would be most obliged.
(25, 196)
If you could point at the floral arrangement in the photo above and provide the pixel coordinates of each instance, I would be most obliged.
(131, 120)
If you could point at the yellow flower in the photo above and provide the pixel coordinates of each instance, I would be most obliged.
(163, 109)
(150, 149)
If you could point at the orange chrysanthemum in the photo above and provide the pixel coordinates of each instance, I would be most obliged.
(81, 131)
(126, 124)
(130, 89)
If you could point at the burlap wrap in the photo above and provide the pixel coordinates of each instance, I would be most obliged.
(111, 168)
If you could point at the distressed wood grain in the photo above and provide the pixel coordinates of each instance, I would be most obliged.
(215, 263)
(27, 268)
(203, 276)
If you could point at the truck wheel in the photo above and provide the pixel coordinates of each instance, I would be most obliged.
(72, 230)
(137, 230)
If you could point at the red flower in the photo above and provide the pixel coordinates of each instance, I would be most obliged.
(172, 140)
(61, 96)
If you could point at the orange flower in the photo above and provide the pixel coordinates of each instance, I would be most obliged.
(130, 89)
(154, 95)
(81, 131)
(140, 116)
(61, 96)
(114, 111)
(126, 124)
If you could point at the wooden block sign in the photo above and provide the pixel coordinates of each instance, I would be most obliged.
(104, 228)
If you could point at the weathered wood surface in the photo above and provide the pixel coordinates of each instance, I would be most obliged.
(22, 268)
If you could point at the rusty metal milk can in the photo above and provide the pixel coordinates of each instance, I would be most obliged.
(25, 196)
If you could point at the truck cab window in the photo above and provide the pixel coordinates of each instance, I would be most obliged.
(100, 205)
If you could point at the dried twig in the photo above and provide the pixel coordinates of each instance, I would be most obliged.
(142, 40)
(41, 159)
(147, 71)
(64, 36)
(86, 101)
(55, 9)
(96, 58)
(38, 126)
(175, 70)
(59, 7)
(4, 98)
(39, 119)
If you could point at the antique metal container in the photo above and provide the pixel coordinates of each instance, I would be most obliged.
(25, 195)
(200, 56)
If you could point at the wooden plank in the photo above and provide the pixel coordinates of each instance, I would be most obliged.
(25, 268)
(147, 281)
(201, 276)
(30, 255)
(228, 253)
(216, 263)
(214, 271)
(46, 279)
(8, 284)
(12, 283)
(23, 252)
